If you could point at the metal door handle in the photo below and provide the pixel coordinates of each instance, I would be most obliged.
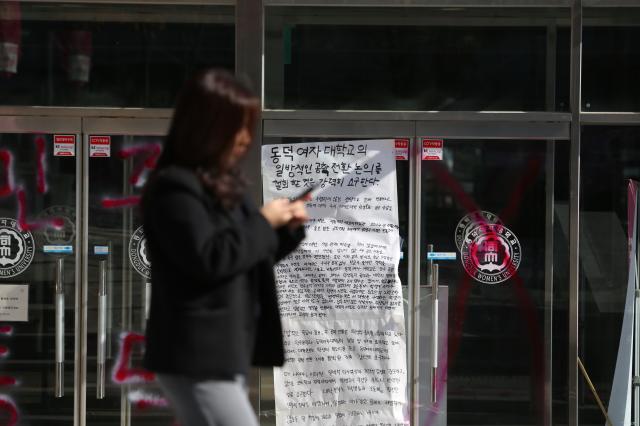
(147, 303)
(59, 300)
(434, 332)
(102, 329)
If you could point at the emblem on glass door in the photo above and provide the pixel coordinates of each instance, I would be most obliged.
(64, 229)
(138, 253)
(490, 252)
(16, 248)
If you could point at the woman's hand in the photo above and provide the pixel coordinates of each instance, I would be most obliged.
(282, 212)
(299, 214)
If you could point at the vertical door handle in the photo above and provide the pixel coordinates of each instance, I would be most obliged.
(59, 300)
(434, 332)
(102, 329)
(146, 304)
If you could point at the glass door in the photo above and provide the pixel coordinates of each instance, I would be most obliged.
(120, 154)
(39, 270)
(493, 275)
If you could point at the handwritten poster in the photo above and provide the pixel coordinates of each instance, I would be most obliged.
(339, 292)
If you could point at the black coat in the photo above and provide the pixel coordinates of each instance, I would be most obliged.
(214, 308)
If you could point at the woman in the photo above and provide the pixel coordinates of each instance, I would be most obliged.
(214, 309)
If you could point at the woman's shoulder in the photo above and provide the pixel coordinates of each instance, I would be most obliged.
(173, 178)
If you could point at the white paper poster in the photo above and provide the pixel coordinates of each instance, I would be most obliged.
(339, 292)
(14, 302)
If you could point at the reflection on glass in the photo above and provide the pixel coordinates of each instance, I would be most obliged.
(610, 158)
(416, 59)
(37, 281)
(611, 58)
(118, 388)
(107, 55)
(489, 202)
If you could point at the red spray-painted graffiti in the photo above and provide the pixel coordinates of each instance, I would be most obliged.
(41, 166)
(143, 400)
(113, 203)
(6, 403)
(149, 152)
(123, 373)
(53, 222)
(6, 158)
(8, 186)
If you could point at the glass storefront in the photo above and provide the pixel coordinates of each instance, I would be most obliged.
(433, 59)
(85, 89)
(108, 55)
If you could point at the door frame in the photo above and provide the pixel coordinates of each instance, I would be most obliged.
(67, 125)
(104, 126)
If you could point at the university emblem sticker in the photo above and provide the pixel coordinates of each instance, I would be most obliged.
(64, 232)
(138, 253)
(16, 248)
(490, 252)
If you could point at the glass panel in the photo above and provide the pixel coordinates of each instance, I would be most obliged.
(611, 58)
(610, 156)
(118, 388)
(417, 58)
(267, 396)
(490, 204)
(107, 55)
(37, 315)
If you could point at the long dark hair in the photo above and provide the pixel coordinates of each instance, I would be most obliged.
(210, 110)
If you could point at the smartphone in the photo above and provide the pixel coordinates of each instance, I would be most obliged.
(304, 193)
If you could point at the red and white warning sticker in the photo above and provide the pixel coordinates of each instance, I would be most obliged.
(99, 146)
(432, 149)
(402, 149)
(64, 145)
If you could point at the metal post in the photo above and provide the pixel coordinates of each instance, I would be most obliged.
(415, 184)
(81, 280)
(636, 334)
(574, 209)
(552, 42)
(249, 54)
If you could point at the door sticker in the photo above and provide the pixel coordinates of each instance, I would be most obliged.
(62, 226)
(402, 149)
(138, 253)
(99, 146)
(432, 149)
(14, 302)
(490, 252)
(16, 248)
(64, 145)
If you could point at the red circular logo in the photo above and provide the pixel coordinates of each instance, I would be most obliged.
(490, 253)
